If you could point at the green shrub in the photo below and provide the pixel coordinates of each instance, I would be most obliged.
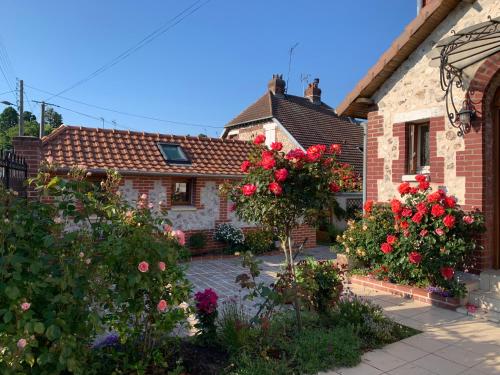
(247, 364)
(320, 283)
(230, 235)
(234, 329)
(259, 241)
(197, 241)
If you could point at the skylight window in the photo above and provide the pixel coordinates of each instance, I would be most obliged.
(173, 153)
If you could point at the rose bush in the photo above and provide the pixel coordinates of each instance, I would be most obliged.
(81, 262)
(427, 238)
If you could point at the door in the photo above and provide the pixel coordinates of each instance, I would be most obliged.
(496, 155)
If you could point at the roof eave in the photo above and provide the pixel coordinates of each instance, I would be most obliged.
(411, 38)
(129, 172)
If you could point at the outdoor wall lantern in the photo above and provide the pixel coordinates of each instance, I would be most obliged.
(465, 116)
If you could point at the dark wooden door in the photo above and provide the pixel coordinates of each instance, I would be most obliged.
(496, 156)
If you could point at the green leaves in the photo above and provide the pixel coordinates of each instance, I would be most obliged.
(53, 332)
(12, 292)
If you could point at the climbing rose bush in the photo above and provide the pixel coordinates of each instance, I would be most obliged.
(425, 238)
(81, 261)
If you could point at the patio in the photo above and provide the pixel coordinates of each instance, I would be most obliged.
(451, 343)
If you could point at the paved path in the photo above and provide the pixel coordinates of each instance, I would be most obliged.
(450, 344)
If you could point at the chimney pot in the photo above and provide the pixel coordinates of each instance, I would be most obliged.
(277, 85)
(313, 92)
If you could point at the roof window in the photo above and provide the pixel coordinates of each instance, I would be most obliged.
(173, 153)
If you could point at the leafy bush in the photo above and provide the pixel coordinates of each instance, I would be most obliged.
(59, 288)
(426, 238)
(197, 241)
(234, 327)
(259, 241)
(320, 283)
(230, 235)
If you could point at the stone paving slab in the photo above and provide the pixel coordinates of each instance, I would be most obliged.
(451, 343)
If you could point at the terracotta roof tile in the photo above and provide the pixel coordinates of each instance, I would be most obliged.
(138, 153)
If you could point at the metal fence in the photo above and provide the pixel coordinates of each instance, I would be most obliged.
(13, 172)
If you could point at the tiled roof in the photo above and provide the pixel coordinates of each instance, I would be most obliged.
(308, 123)
(138, 153)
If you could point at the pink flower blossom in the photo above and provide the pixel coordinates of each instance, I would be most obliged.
(468, 219)
(144, 197)
(21, 343)
(162, 266)
(162, 305)
(261, 138)
(439, 231)
(143, 266)
(206, 301)
(249, 189)
(25, 306)
(180, 236)
(167, 228)
(423, 232)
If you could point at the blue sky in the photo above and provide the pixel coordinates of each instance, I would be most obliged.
(206, 69)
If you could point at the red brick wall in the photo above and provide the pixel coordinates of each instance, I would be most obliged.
(374, 164)
(436, 124)
(29, 148)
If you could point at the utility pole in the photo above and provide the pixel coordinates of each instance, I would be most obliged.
(42, 121)
(21, 107)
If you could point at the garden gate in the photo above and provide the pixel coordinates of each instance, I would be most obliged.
(13, 172)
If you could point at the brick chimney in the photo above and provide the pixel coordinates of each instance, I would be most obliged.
(277, 85)
(313, 92)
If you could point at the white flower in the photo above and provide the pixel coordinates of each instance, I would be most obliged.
(184, 306)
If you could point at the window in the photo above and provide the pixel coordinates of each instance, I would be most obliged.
(418, 148)
(173, 153)
(182, 192)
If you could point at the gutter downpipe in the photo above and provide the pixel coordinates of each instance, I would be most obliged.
(365, 144)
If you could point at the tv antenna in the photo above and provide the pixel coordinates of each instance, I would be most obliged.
(290, 53)
(304, 77)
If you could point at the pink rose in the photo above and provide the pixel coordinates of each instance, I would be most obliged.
(162, 266)
(144, 197)
(143, 266)
(439, 231)
(25, 306)
(468, 219)
(415, 257)
(423, 232)
(162, 305)
(21, 343)
(167, 228)
(180, 236)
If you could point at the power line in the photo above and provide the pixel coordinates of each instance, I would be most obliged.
(130, 114)
(146, 40)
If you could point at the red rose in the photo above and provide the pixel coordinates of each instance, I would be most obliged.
(415, 257)
(275, 188)
(434, 197)
(449, 221)
(404, 188)
(407, 212)
(413, 190)
(334, 187)
(450, 202)
(232, 207)
(420, 178)
(336, 149)
(417, 218)
(261, 138)
(437, 210)
(396, 206)
(404, 224)
(245, 166)
(268, 163)
(295, 155)
(423, 232)
(422, 207)
(447, 273)
(406, 233)
(368, 206)
(249, 189)
(423, 185)
(276, 146)
(391, 240)
(281, 174)
(386, 248)
(316, 149)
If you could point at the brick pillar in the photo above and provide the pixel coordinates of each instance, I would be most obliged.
(374, 164)
(30, 148)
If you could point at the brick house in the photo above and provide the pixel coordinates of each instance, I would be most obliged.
(413, 119)
(300, 122)
(182, 172)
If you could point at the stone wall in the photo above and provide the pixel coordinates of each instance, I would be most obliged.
(413, 93)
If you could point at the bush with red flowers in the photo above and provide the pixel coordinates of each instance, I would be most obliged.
(428, 238)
